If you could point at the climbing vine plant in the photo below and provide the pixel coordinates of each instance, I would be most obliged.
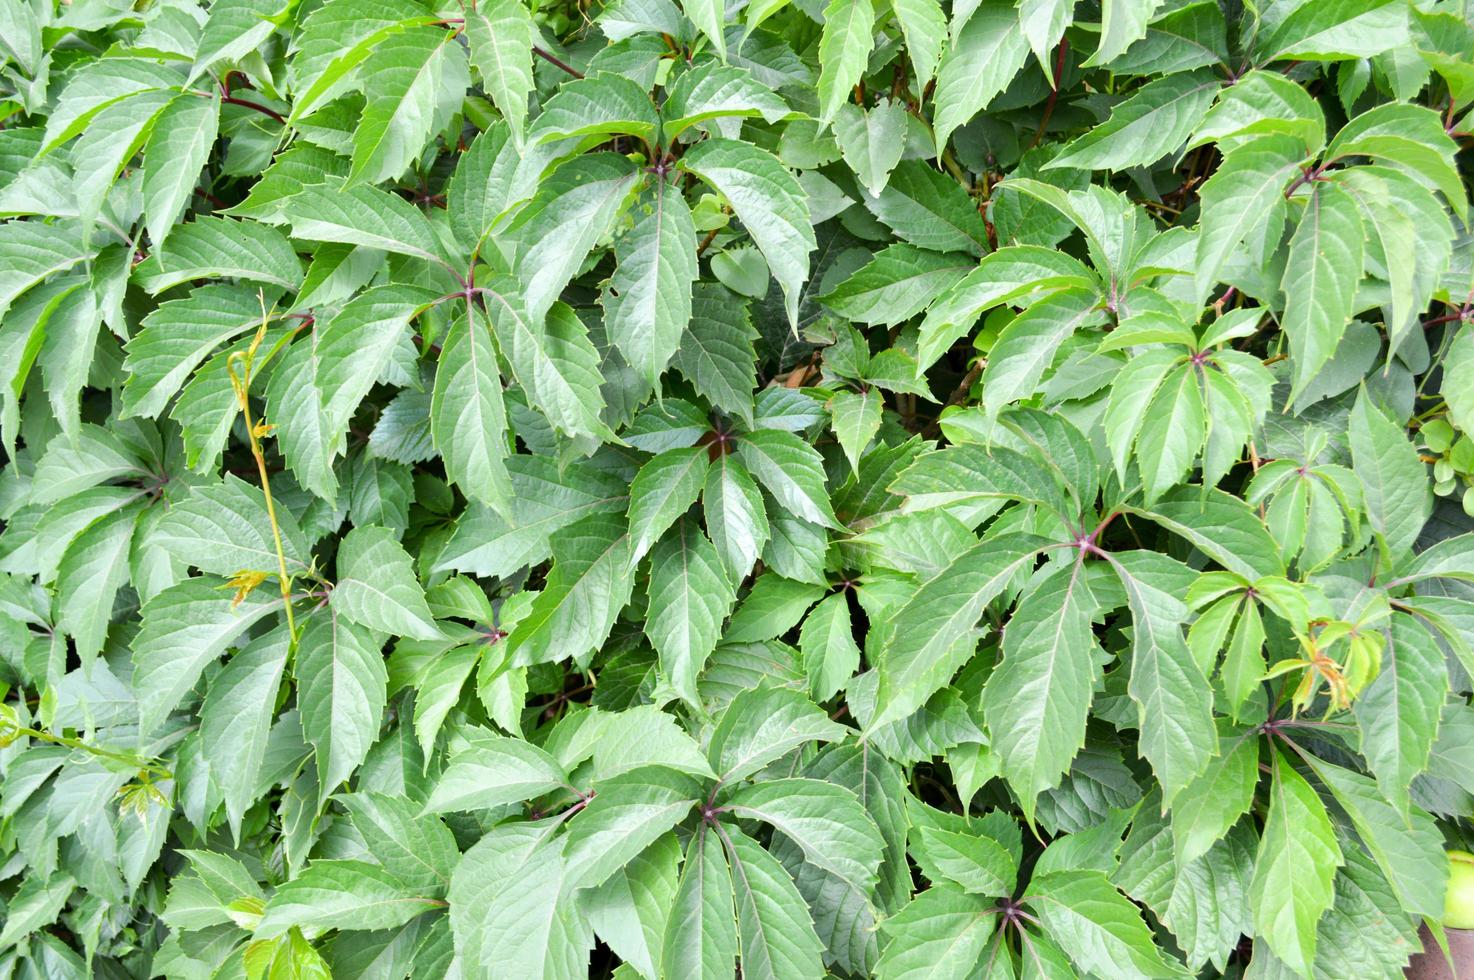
(652, 488)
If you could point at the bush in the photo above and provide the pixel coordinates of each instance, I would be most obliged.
(628, 490)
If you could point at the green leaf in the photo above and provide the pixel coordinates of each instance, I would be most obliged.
(35, 905)
(716, 353)
(1004, 275)
(1239, 198)
(942, 930)
(1211, 804)
(1097, 926)
(333, 894)
(377, 588)
(572, 210)
(778, 940)
(630, 911)
(791, 471)
(1172, 431)
(896, 284)
(924, 27)
(418, 850)
(1154, 122)
(590, 582)
(178, 146)
(1037, 699)
(1174, 701)
(927, 641)
(701, 934)
(827, 642)
(826, 821)
(555, 362)
(31, 252)
(92, 570)
(1398, 713)
(365, 216)
(1410, 138)
(225, 528)
(1027, 346)
(977, 864)
(235, 720)
(871, 140)
(688, 601)
(1324, 263)
(177, 337)
(1457, 363)
(500, 33)
(662, 491)
(1122, 24)
(769, 202)
(468, 418)
(647, 305)
(929, 209)
(710, 18)
(627, 814)
(184, 628)
(763, 724)
(844, 48)
(1407, 847)
(1333, 31)
(531, 931)
(982, 59)
(855, 419)
(494, 770)
(1293, 869)
(1392, 478)
(404, 79)
(735, 516)
(213, 248)
(341, 679)
(712, 91)
(1221, 526)
(602, 105)
(234, 29)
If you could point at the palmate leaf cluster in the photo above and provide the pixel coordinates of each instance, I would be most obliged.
(653, 488)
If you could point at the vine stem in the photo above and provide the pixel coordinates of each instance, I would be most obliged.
(11, 729)
(242, 385)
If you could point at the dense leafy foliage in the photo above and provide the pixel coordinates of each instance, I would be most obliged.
(649, 488)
